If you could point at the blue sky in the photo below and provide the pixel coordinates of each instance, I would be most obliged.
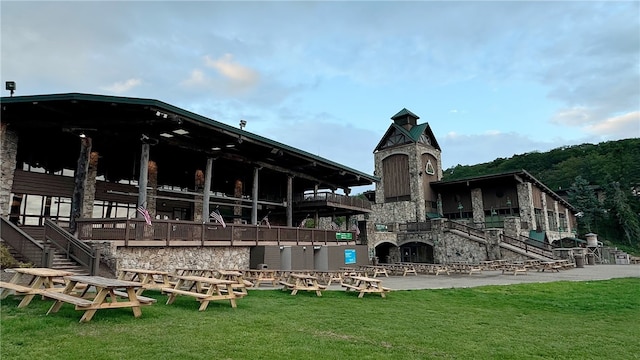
(492, 79)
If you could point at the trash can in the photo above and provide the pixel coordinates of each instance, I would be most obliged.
(579, 261)
(591, 259)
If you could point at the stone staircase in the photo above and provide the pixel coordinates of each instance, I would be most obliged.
(60, 262)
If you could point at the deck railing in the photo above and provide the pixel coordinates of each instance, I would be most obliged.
(72, 248)
(135, 232)
(352, 201)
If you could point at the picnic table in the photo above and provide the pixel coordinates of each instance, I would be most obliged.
(150, 279)
(297, 282)
(257, 277)
(109, 294)
(31, 282)
(203, 289)
(364, 285)
(375, 270)
(236, 276)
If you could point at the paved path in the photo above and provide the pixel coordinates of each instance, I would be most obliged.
(444, 281)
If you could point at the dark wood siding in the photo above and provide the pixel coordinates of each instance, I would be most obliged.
(395, 172)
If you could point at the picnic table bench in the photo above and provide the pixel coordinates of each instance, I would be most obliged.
(365, 285)
(150, 279)
(203, 289)
(35, 279)
(297, 282)
(108, 295)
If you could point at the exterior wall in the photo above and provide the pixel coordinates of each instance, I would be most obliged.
(8, 151)
(477, 206)
(171, 258)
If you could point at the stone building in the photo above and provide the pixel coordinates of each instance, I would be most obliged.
(412, 206)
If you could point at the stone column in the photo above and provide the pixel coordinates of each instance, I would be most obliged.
(493, 244)
(90, 186)
(545, 216)
(290, 200)
(198, 199)
(8, 152)
(556, 215)
(237, 210)
(254, 196)
(512, 226)
(477, 207)
(568, 219)
(152, 188)
(208, 174)
(439, 244)
(80, 176)
(525, 205)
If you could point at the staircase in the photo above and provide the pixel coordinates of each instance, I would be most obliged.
(60, 262)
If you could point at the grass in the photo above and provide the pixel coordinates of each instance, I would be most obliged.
(561, 320)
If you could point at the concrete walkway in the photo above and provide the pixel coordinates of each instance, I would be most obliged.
(444, 281)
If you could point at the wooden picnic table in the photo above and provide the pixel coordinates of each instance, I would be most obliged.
(236, 276)
(257, 277)
(364, 285)
(375, 270)
(203, 289)
(297, 282)
(31, 282)
(109, 294)
(150, 279)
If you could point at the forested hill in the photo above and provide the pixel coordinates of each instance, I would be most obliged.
(614, 160)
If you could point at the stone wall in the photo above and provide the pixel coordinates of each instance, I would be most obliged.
(8, 152)
(171, 258)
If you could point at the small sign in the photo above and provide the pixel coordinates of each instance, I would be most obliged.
(349, 256)
(344, 236)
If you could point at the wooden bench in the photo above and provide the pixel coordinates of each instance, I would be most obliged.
(185, 292)
(351, 287)
(77, 301)
(19, 288)
(142, 299)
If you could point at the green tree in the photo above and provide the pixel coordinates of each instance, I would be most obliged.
(583, 196)
(622, 213)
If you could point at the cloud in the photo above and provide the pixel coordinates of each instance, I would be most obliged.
(617, 127)
(122, 86)
(575, 116)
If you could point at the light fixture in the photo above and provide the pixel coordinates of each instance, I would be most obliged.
(230, 145)
(216, 148)
(82, 135)
(11, 86)
(243, 123)
(166, 135)
(180, 132)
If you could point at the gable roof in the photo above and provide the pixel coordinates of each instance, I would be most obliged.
(412, 135)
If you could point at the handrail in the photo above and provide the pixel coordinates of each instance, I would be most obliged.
(527, 247)
(454, 225)
(135, 232)
(24, 244)
(72, 248)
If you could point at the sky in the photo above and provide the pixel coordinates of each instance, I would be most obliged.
(492, 79)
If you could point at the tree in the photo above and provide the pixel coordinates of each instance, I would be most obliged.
(621, 210)
(583, 196)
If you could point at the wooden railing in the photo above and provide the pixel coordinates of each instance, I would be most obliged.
(527, 245)
(352, 201)
(135, 232)
(72, 248)
(32, 250)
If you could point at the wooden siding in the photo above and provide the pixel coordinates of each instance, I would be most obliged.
(429, 194)
(537, 197)
(395, 172)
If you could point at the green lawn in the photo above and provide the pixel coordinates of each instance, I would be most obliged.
(562, 320)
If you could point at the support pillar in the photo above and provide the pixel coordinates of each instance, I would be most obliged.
(8, 152)
(90, 186)
(254, 196)
(80, 181)
(207, 191)
(290, 200)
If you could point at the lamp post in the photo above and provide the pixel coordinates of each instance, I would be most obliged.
(460, 207)
(509, 206)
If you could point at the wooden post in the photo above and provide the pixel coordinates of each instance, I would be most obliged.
(290, 200)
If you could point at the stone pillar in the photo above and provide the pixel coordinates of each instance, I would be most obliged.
(439, 244)
(90, 186)
(206, 193)
(556, 215)
(152, 188)
(254, 196)
(290, 201)
(80, 181)
(567, 215)
(512, 226)
(237, 210)
(525, 205)
(477, 206)
(493, 244)
(198, 199)
(8, 152)
(545, 216)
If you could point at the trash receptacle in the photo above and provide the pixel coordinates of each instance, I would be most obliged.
(591, 259)
(579, 261)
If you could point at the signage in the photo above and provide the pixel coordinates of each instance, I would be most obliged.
(344, 236)
(349, 256)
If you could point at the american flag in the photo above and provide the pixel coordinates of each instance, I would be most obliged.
(216, 215)
(145, 214)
